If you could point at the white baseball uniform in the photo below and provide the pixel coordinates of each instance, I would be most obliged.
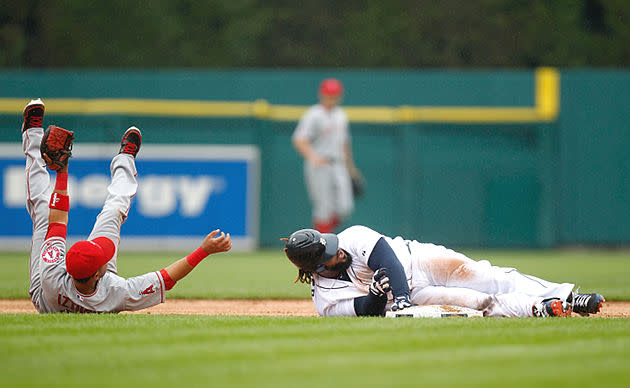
(329, 186)
(52, 289)
(435, 275)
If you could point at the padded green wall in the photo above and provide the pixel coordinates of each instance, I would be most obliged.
(468, 185)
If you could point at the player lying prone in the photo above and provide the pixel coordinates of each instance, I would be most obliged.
(360, 272)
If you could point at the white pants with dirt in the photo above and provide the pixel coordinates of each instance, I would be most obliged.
(443, 276)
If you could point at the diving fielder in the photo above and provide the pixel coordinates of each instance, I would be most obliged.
(85, 280)
(362, 272)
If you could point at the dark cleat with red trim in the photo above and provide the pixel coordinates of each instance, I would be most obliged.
(131, 141)
(33, 114)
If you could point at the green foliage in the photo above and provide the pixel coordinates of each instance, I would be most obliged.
(190, 351)
(324, 33)
(268, 274)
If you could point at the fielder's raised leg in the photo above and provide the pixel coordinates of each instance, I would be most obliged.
(37, 189)
(123, 186)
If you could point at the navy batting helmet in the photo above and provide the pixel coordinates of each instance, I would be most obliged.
(308, 249)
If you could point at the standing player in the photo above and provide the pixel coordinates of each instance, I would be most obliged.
(85, 280)
(322, 138)
(362, 272)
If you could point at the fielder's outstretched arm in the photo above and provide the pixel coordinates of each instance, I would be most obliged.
(55, 148)
(213, 243)
(59, 205)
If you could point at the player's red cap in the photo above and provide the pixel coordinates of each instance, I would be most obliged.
(85, 257)
(331, 87)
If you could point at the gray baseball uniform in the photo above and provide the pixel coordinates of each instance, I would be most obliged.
(52, 289)
(328, 186)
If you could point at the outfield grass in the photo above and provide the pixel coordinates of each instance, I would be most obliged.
(188, 351)
(268, 274)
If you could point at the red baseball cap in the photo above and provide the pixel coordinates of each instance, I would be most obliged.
(331, 87)
(84, 258)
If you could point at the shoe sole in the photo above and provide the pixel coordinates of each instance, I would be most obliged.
(35, 102)
(558, 311)
(132, 129)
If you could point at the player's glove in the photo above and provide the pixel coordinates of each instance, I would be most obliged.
(401, 302)
(56, 147)
(380, 283)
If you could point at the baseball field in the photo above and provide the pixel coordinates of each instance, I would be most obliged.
(238, 320)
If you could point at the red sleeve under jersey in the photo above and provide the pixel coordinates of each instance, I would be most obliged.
(57, 230)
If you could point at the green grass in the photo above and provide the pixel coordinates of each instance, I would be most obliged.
(217, 351)
(191, 351)
(268, 274)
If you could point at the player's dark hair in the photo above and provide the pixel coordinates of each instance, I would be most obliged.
(84, 280)
(304, 277)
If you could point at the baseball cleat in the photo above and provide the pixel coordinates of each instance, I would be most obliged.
(33, 114)
(552, 307)
(585, 304)
(131, 141)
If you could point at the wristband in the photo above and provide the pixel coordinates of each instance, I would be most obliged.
(168, 281)
(196, 257)
(59, 202)
(57, 229)
(61, 183)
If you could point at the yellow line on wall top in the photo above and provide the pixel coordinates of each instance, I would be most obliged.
(545, 109)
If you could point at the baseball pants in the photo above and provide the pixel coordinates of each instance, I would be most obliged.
(38, 191)
(443, 276)
(122, 188)
(330, 191)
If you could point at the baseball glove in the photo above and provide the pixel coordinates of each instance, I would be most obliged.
(56, 147)
(358, 185)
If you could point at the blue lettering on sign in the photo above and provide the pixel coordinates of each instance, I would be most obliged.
(175, 198)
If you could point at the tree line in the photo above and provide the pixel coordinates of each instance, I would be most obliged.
(314, 33)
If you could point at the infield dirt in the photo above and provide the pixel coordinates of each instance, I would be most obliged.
(275, 307)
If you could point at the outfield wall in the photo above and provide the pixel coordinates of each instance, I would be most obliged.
(464, 158)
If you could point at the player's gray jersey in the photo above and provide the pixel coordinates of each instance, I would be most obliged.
(113, 293)
(335, 297)
(326, 131)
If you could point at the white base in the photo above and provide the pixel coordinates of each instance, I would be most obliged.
(435, 311)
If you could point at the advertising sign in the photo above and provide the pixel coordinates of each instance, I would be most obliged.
(184, 192)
